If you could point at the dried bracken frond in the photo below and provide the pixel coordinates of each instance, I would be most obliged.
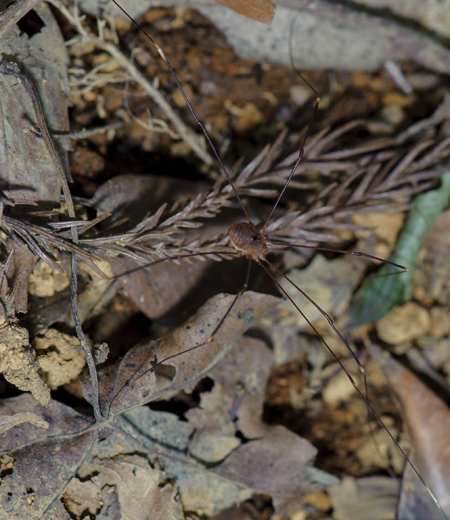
(378, 175)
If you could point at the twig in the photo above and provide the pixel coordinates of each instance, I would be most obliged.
(13, 69)
(185, 133)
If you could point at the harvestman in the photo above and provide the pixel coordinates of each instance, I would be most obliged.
(252, 242)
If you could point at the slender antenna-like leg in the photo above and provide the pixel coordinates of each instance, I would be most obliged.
(354, 253)
(352, 381)
(191, 109)
(207, 342)
(324, 314)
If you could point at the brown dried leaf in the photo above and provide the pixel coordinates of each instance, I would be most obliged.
(258, 10)
(8, 421)
(239, 391)
(138, 487)
(29, 172)
(427, 417)
(158, 289)
(275, 464)
(131, 381)
(82, 497)
(18, 269)
(43, 462)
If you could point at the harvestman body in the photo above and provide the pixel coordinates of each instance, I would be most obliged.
(252, 242)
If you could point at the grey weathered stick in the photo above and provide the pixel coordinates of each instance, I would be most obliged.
(13, 70)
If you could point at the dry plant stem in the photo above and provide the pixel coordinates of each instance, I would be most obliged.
(184, 132)
(13, 69)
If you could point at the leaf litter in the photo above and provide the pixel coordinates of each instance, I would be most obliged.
(229, 441)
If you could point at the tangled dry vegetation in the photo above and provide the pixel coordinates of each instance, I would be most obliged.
(222, 436)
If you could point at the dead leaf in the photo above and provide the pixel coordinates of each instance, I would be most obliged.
(138, 486)
(158, 289)
(258, 10)
(427, 417)
(82, 497)
(275, 464)
(131, 381)
(240, 391)
(18, 270)
(43, 461)
(28, 171)
(8, 421)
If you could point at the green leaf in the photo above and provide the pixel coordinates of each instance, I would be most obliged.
(383, 291)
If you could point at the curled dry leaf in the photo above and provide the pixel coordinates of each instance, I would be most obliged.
(132, 381)
(8, 421)
(138, 486)
(427, 416)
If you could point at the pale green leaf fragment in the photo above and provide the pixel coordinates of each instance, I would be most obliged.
(383, 291)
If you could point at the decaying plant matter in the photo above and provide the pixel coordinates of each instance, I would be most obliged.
(133, 458)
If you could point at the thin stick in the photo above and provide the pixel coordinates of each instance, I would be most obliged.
(13, 70)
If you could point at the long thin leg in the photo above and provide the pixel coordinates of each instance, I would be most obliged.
(188, 103)
(209, 340)
(369, 406)
(173, 258)
(324, 314)
(355, 253)
(300, 155)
